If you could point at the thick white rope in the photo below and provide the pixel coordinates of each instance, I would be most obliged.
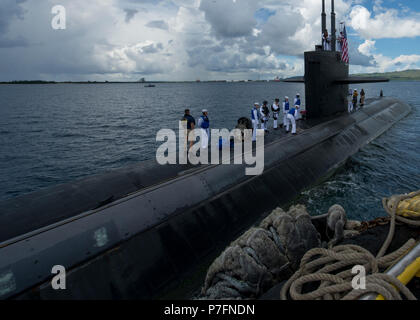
(332, 269)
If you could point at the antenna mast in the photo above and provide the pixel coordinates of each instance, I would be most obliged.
(333, 30)
(324, 18)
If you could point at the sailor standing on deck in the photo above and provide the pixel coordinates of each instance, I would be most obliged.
(340, 41)
(349, 101)
(190, 125)
(298, 104)
(265, 115)
(286, 108)
(255, 116)
(326, 41)
(362, 98)
(355, 96)
(291, 120)
(204, 125)
(276, 111)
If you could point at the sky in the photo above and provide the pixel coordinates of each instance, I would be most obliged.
(181, 40)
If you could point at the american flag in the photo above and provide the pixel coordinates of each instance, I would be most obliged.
(345, 47)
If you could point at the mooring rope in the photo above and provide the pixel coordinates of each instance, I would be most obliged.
(333, 268)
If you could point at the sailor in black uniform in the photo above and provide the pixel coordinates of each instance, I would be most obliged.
(276, 111)
(265, 115)
(190, 126)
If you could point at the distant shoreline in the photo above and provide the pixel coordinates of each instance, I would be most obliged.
(129, 82)
(408, 75)
(156, 82)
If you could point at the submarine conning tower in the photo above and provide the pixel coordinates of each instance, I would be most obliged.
(327, 76)
(325, 97)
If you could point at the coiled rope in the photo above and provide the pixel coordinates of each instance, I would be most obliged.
(332, 269)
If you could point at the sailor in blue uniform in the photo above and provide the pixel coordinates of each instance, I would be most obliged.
(298, 105)
(291, 120)
(255, 116)
(276, 111)
(286, 108)
(204, 125)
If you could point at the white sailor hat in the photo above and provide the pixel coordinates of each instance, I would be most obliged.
(205, 111)
(286, 97)
(298, 95)
(256, 104)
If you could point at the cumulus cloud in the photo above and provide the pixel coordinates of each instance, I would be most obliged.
(180, 39)
(367, 47)
(137, 59)
(230, 18)
(385, 24)
(382, 63)
(281, 33)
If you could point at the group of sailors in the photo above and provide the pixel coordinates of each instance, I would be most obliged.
(203, 124)
(326, 41)
(260, 115)
(289, 113)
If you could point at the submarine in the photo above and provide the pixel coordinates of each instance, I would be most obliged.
(150, 231)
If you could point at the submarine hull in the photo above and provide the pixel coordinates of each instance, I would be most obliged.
(145, 245)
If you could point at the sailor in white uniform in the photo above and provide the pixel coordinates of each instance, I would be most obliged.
(276, 112)
(326, 41)
(204, 125)
(291, 120)
(297, 103)
(286, 108)
(350, 102)
(255, 116)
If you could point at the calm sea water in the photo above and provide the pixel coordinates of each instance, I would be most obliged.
(53, 134)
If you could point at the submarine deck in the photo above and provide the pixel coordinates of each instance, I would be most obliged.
(34, 211)
(22, 215)
(157, 236)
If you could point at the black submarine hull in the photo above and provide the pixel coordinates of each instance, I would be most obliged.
(149, 243)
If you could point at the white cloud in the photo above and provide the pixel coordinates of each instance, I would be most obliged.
(230, 18)
(385, 24)
(384, 63)
(367, 47)
(175, 39)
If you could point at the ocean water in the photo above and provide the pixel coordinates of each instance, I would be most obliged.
(54, 134)
(389, 165)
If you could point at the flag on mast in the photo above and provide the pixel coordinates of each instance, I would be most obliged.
(345, 47)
